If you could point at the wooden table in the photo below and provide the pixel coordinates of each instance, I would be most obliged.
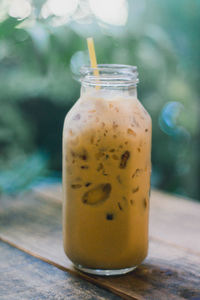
(34, 266)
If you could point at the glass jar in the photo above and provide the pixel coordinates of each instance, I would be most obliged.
(106, 173)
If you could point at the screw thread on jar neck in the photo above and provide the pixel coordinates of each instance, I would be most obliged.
(112, 77)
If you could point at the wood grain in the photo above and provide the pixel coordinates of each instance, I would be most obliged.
(32, 222)
(24, 277)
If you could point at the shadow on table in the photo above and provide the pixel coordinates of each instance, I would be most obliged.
(153, 280)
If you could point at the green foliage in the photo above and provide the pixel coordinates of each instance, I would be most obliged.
(38, 63)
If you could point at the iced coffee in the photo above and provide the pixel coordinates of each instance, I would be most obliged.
(106, 178)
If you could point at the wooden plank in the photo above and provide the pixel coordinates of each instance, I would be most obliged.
(173, 220)
(33, 223)
(25, 277)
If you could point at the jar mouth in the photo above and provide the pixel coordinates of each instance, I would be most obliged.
(116, 75)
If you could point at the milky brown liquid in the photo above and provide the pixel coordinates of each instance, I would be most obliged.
(106, 181)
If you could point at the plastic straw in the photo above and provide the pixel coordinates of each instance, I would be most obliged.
(93, 60)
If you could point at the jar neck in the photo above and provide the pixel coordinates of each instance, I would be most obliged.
(109, 79)
(101, 91)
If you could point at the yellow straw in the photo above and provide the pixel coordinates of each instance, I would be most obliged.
(93, 60)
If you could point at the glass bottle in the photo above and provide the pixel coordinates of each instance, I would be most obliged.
(106, 173)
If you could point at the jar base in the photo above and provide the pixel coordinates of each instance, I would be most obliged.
(104, 272)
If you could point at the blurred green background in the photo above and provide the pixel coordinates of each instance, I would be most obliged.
(43, 45)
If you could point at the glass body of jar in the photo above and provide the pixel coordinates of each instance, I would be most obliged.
(106, 173)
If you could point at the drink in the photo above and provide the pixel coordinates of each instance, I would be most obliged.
(106, 180)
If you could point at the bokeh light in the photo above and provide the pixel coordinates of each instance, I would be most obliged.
(170, 124)
(78, 59)
(114, 12)
(20, 9)
(168, 117)
(59, 8)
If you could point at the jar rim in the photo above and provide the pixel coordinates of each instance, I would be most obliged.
(118, 75)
